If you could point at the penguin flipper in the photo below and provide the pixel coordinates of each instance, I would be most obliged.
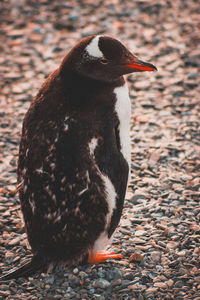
(26, 270)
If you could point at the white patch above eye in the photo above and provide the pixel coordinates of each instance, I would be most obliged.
(93, 47)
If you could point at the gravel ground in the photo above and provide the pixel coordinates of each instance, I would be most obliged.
(159, 234)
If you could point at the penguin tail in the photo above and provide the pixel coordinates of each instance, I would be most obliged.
(26, 270)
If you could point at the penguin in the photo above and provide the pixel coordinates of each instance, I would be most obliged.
(74, 156)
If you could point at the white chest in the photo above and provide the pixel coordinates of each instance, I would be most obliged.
(123, 110)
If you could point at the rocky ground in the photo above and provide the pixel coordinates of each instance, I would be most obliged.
(159, 234)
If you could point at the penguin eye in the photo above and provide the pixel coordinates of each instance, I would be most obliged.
(104, 61)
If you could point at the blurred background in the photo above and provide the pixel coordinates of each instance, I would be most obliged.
(35, 35)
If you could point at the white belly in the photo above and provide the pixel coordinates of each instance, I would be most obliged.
(123, 110)
(103, 241)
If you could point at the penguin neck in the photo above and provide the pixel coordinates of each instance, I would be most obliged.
(84, 91)
(78, 81)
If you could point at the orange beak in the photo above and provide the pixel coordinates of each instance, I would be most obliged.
(142, 66)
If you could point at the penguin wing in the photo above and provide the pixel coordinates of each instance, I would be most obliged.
(112, 164)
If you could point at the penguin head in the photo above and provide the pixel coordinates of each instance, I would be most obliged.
(103, 58)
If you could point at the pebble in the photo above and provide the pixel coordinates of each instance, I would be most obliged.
(178, 284)
(136, 257)
(98, 297)
(114, 273)
(137, 287)
(128, 275)
(182, 253)
(5, 293)
(169, 282)
(140, 233)
(9, 254)
(162, 285)
(116, 282)
(151, 290)
(101, 283)
(186, 177)
(142, 85)
(14, 241)
(75, 271)
(197, 279)
(155, 256)
(50, 279)
(172, 245)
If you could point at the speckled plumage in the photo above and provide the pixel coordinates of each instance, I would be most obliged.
(75, 154)
(64, 172)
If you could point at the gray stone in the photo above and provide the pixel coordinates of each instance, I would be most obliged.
(116, 282)
(101, 283)
(128, 275)
(155, 256)
(115, 273)
(50, 279)
(98, 297)
(75, 271)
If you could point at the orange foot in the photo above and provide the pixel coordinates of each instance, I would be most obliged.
(102, 257)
